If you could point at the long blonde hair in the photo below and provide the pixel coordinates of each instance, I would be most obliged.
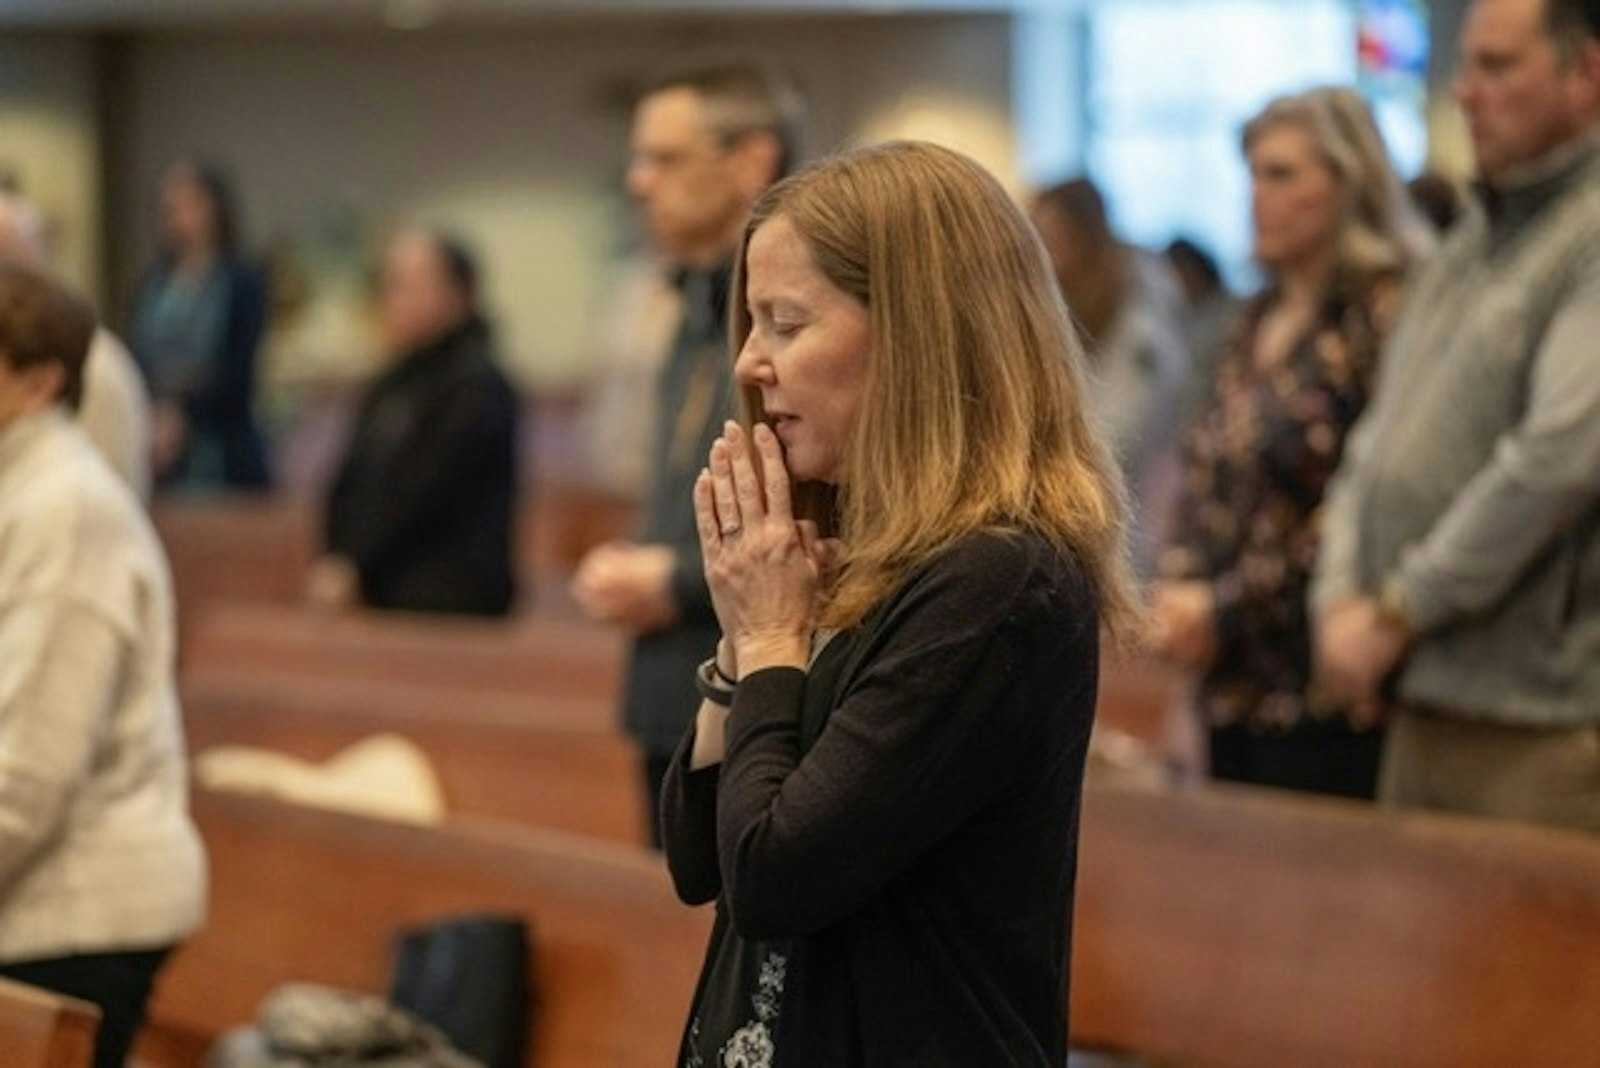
(1381, 231)
(973, 414)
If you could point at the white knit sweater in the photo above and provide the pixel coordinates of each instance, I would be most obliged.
(97, 851)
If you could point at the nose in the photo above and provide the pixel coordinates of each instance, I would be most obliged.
(752, 367)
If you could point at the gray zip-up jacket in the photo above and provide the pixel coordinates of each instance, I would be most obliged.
(1472, 482)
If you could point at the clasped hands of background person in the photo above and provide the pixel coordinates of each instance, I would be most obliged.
(765, 569)
(1183, 627)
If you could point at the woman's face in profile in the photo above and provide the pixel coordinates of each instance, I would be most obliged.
(188, 217)
(807, 351)
(1295, 200)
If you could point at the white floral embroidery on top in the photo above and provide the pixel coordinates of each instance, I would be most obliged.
(694, 1060)
(751, 1046)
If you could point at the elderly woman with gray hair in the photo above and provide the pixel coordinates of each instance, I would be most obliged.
(1335, 235)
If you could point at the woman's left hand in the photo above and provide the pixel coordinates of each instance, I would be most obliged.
(763, 582)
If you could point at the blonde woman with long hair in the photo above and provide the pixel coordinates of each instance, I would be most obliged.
(1335, 234)
(914, 541)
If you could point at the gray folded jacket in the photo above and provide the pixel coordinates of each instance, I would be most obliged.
(303, 1025)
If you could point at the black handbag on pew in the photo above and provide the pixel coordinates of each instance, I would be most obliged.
(469, 977)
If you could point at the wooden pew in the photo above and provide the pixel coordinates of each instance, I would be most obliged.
(244, 548)
(553, 658)
(1240, 928)
(306, 895)
(258, 548)
(520, 720)
(1230, 927)
(42, 1029)
(531, 760)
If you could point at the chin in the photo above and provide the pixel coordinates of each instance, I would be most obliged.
(807, 469)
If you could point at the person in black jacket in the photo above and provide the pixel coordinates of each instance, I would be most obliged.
(882, 784)
(421, 514)
(198, 320)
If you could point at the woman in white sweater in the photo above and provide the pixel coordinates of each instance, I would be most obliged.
(101, 870)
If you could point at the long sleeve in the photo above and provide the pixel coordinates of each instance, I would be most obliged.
(57, 688)
(926, 732)
(241, 342)
(689, 826)
(1543, 473)
(1337, 573)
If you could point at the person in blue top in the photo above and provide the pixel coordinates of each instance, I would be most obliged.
(197, 325)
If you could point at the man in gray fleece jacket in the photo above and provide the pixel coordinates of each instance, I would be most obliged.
(1461, 546)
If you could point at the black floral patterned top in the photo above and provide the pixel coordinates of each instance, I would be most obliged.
(1255, 466)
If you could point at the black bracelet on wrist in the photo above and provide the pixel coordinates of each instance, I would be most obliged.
(705, 680)
(722, 676)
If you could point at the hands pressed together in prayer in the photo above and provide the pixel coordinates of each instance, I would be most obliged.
(765, 569)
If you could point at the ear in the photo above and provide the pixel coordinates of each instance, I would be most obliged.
(755, 161)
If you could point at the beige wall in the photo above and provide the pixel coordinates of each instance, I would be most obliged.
(513, 135)
(49, 144)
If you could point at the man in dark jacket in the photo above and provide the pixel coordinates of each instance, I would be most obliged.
(706, 145)
(421, 514)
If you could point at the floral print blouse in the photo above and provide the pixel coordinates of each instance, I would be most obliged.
(1256, 463)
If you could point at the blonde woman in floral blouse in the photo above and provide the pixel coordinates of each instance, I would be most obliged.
(1334, 235)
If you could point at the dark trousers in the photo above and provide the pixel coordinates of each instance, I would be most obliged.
(1314, 760)
(655, 773)
(119, 983)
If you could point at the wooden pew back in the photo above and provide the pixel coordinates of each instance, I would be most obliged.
(531, 761)
(555, 659)
(1240, 928)
(42, 1029)
(305, 895)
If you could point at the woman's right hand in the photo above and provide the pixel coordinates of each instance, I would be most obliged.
(766, 572)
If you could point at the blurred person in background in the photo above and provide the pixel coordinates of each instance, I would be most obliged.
(1461, 564)
(1335, 235)
(421, 513)
(101, 869)
(115, 411)
(706, 144)
(1127, 305)
(198, 321)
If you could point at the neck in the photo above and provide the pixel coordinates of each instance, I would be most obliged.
(706, 257)
(1302, 285)
(196, 260)
(716, 251)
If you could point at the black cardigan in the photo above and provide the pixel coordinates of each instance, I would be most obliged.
(891, 839)
(424, 502)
